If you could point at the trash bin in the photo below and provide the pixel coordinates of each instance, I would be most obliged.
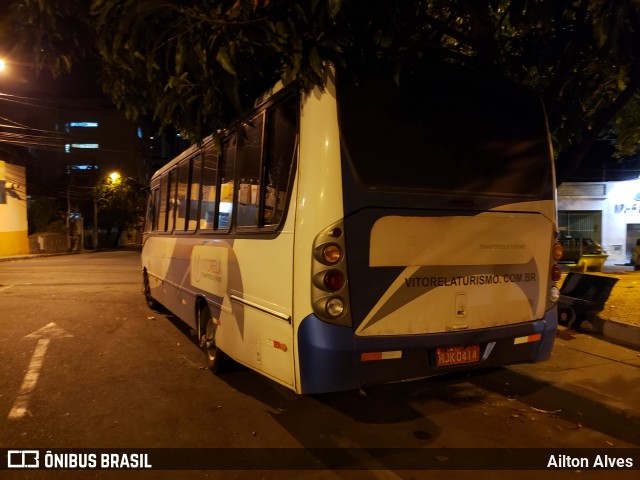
(582, 296)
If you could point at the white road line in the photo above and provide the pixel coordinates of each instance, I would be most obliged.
(44, 336)
(30, 381)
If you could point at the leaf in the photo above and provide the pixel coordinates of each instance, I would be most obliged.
(224, 60)
(601, 29)
(334, 7)
(316, 63)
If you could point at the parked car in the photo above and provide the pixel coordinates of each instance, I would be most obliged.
(572, 248)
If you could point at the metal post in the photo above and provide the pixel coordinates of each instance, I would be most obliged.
(95, 219)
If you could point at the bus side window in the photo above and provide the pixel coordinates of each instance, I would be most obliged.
(249, 161)
(282, 129)
(194, 191)
(171, 201)
(182, 196)
(209, 179)
(227, 169)
(161, 223)
(151, 217)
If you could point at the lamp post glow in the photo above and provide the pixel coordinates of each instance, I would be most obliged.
(114, 177)
(3, 65)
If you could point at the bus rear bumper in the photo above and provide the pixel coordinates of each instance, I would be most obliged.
(333, 358)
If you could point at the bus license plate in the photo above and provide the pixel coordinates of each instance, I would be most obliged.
(457, 355)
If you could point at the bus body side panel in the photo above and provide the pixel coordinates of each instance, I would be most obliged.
(163, 258)
(255, 324)
(319, 199)
(247, 284)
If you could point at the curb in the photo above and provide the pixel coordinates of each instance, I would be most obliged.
(618, 332)
(28, 256)
(609, 328)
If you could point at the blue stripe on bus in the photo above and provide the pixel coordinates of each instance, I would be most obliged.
(329, 355)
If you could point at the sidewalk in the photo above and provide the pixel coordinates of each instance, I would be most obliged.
(620, 319)
(588, 381)
(590, 366)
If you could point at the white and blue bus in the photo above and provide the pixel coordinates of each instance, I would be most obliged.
(371, 231)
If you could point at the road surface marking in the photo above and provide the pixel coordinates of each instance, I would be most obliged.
(30, 381)
(44, 336)
(373, 466)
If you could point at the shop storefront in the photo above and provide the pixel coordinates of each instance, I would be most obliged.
(607, 213)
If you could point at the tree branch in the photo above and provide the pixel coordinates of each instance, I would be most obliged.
(570, 160)
(568, 60)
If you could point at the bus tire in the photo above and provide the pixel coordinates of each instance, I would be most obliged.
(146, 290)
(217, 360)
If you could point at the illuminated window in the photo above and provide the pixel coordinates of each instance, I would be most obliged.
(84, 124)
(83, 167)
(84, 145)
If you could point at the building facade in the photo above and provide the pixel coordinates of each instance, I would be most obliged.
(606, 212)
(13, 210)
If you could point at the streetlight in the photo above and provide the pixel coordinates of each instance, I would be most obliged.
(3, 65)
(114, 177)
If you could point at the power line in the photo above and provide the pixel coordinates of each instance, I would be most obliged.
(56, 105)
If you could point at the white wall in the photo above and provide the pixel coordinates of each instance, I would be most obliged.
(13, 213)
(620, 207)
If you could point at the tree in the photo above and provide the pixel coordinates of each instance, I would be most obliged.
(120, 205)
(48, 35)
(196, 64)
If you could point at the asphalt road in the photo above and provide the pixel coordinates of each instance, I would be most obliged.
(111, 373)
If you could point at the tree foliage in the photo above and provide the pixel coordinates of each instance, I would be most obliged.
(196, 64)
(120, 203)
(46, 34)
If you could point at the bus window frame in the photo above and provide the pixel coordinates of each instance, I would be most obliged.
(172, 198)
(198, 200)
(241, 135)
(184, 164)
(266, 109)
(268, 152)
(164, 179)
(163, 195)
(221, 159)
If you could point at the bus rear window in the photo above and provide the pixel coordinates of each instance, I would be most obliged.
(444, 134)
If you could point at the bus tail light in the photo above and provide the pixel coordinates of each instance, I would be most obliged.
(329, 285)
(557, 251)
(334, 307)
(332, 280)
(556, 272)
(331, 254)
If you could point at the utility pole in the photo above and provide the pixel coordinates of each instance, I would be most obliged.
(95, 218)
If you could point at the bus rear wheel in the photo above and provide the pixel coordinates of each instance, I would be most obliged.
(216, 359)
(146, 290)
